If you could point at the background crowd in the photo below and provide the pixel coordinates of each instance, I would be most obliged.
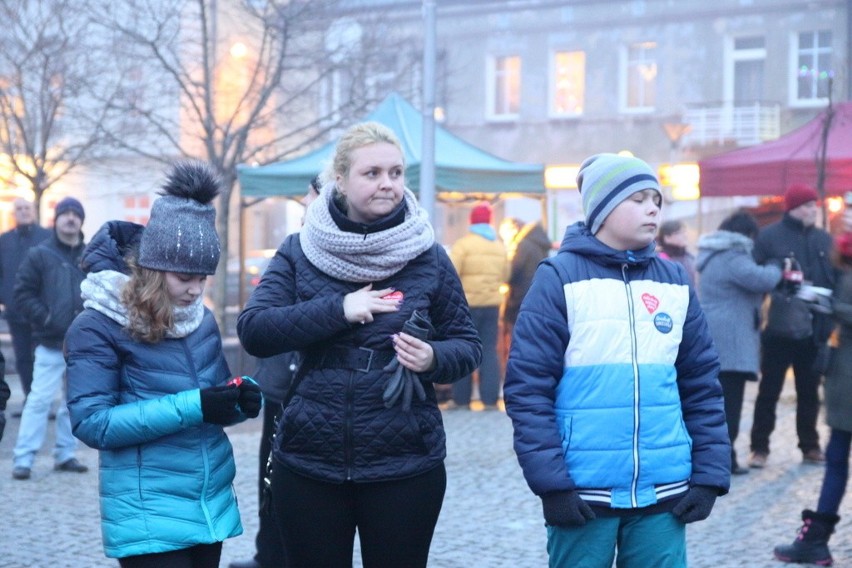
(430, 331)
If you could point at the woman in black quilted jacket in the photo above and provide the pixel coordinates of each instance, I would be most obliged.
(377, 311)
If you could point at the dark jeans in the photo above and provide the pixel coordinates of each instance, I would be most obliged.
(485, 320)
(199, 556)
(777, 356)
(395, 519)
(270, 549)
(836, 471)
(22, 344)
(733, 389)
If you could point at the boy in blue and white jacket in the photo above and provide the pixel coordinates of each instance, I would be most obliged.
(612, 384)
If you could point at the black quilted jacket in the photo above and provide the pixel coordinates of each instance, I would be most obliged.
(336, 427)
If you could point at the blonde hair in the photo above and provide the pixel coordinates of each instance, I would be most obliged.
(357, 136)
(149, 306)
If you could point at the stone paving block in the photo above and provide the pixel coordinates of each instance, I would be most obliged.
(489, 517)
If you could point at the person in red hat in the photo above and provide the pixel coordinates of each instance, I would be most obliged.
(794, 334)
(481, 261)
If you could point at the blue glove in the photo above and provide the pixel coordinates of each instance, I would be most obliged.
(565, 509)
(696, 504)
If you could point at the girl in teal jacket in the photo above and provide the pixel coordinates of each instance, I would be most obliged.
(148, 384)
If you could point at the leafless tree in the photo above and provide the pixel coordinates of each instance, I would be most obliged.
(240, 81)
(54, 92)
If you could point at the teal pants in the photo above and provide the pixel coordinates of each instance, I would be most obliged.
(641, 542)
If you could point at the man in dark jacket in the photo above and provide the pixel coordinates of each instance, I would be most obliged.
(14, 244)
(805, 252)
(47, 292)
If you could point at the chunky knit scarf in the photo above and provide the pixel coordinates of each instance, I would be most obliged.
(101, 291)
(355, 257)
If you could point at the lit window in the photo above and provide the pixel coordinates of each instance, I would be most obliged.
(569, 82)
(641, 76)
(813, 65)
(506, 87)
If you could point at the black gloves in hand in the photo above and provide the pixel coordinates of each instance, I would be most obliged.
(696, 504)
(404, 382)
(250, 399)
(402, 385)
(565, 509)
(219, 404)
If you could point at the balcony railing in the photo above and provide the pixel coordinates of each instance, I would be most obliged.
(745, 125)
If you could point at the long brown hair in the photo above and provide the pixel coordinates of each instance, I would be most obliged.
(149, 307)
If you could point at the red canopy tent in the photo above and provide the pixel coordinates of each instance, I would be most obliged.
(771, 167)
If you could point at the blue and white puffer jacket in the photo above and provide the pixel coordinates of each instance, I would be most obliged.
(612, 380)
(165, 475)
(336, 427)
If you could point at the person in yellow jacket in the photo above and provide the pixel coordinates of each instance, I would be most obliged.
(480, 259)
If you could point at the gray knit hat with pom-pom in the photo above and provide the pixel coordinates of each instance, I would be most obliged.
(181, 231)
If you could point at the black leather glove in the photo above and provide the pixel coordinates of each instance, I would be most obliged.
(250, 399)
(2, 422)
(404, 383)
(696, 504)
(219, 404)
(565, 509)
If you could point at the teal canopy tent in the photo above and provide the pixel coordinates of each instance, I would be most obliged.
(459, 167)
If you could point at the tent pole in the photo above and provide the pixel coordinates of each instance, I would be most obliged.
(241, 287)
(427, 158)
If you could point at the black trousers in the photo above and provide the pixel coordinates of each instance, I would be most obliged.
(270, 548)
(395, 519)
(199, 556)
(778, 354)
(733, 389)
(22, 344)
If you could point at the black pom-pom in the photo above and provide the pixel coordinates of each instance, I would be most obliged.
(192, 179)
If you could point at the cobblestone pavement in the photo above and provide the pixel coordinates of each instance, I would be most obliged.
(489, 518)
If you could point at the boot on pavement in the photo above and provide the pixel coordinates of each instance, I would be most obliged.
(811, 545)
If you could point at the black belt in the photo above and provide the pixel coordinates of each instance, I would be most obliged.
(361, 359)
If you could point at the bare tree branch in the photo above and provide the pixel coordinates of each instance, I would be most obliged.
(50, 82)
(240, 81)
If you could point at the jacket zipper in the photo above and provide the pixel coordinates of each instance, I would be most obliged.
(633, 359)
(347, 429)
(205, 456)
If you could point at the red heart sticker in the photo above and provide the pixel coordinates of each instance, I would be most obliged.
(651, 302)
(395, 295)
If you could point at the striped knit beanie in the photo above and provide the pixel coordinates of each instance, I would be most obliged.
(605, 180)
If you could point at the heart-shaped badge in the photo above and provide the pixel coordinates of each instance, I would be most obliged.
(395, 295)
(651, 302)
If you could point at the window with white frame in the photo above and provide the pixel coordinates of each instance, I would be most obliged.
(813, 66)
(504, 93)
(745, 77)
(568, 83)
(640, 77)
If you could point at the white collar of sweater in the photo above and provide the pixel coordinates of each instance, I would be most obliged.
(101, 292)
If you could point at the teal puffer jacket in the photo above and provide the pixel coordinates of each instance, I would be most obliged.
(165, 476)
